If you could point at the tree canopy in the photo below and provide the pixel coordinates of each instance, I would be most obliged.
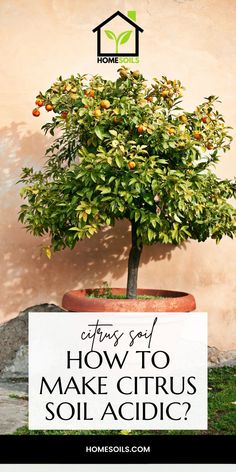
(126, 149)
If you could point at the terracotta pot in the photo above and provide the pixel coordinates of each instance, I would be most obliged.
(77, 300)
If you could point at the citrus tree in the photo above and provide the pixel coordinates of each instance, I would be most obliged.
(126, 150)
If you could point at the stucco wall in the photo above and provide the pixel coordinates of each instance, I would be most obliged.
(193, 40)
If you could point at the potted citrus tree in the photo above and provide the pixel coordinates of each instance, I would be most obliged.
(126, 150)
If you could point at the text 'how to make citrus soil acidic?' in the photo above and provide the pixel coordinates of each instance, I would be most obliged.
(116, 371)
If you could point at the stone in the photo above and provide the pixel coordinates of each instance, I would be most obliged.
(213, 356)
(227, 358)
(14, 343)
(217, 358)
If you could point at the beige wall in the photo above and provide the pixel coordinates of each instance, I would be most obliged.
(193, 40)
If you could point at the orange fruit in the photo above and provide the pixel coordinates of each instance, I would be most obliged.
(67, 88)
(140, 129)
(64, 114)
(89, 93)
(49, 107)
(131, 165)
(35, 112)
(171, 130)
(123, 73)
(39, 102)
(150, 98)
(209, 146)
(136, 74)
(105, 104)
(117, 120)
(197, 135)
(97, 113)
(204, 119)
(165, 93)
(183, 118)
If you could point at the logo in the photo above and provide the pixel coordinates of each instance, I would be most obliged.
(118, 38)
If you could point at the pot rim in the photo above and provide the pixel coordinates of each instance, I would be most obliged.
(166, 294)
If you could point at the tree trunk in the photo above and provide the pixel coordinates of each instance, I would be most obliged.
(133, 264)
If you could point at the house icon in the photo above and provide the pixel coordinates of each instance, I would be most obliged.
(119, 39)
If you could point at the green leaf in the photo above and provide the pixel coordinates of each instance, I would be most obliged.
(154, 186)
(99, 132)
(93, 177)
(185, 230)
(150, 234)
(113, 132)
(92, 230)
(124, 37)
(22, 191)
(176, 218)
(110, 34)
(82, 111)
(148, 199)
(103, 189)
(111, 179)
(119, 161)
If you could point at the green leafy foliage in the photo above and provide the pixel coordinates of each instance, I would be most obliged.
(123, 149)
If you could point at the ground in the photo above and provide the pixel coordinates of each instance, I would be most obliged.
(13, 406)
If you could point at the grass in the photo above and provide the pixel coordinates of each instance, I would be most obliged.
(221, 409)
(18, 397)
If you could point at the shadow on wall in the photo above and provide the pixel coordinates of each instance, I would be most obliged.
(29, 278)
